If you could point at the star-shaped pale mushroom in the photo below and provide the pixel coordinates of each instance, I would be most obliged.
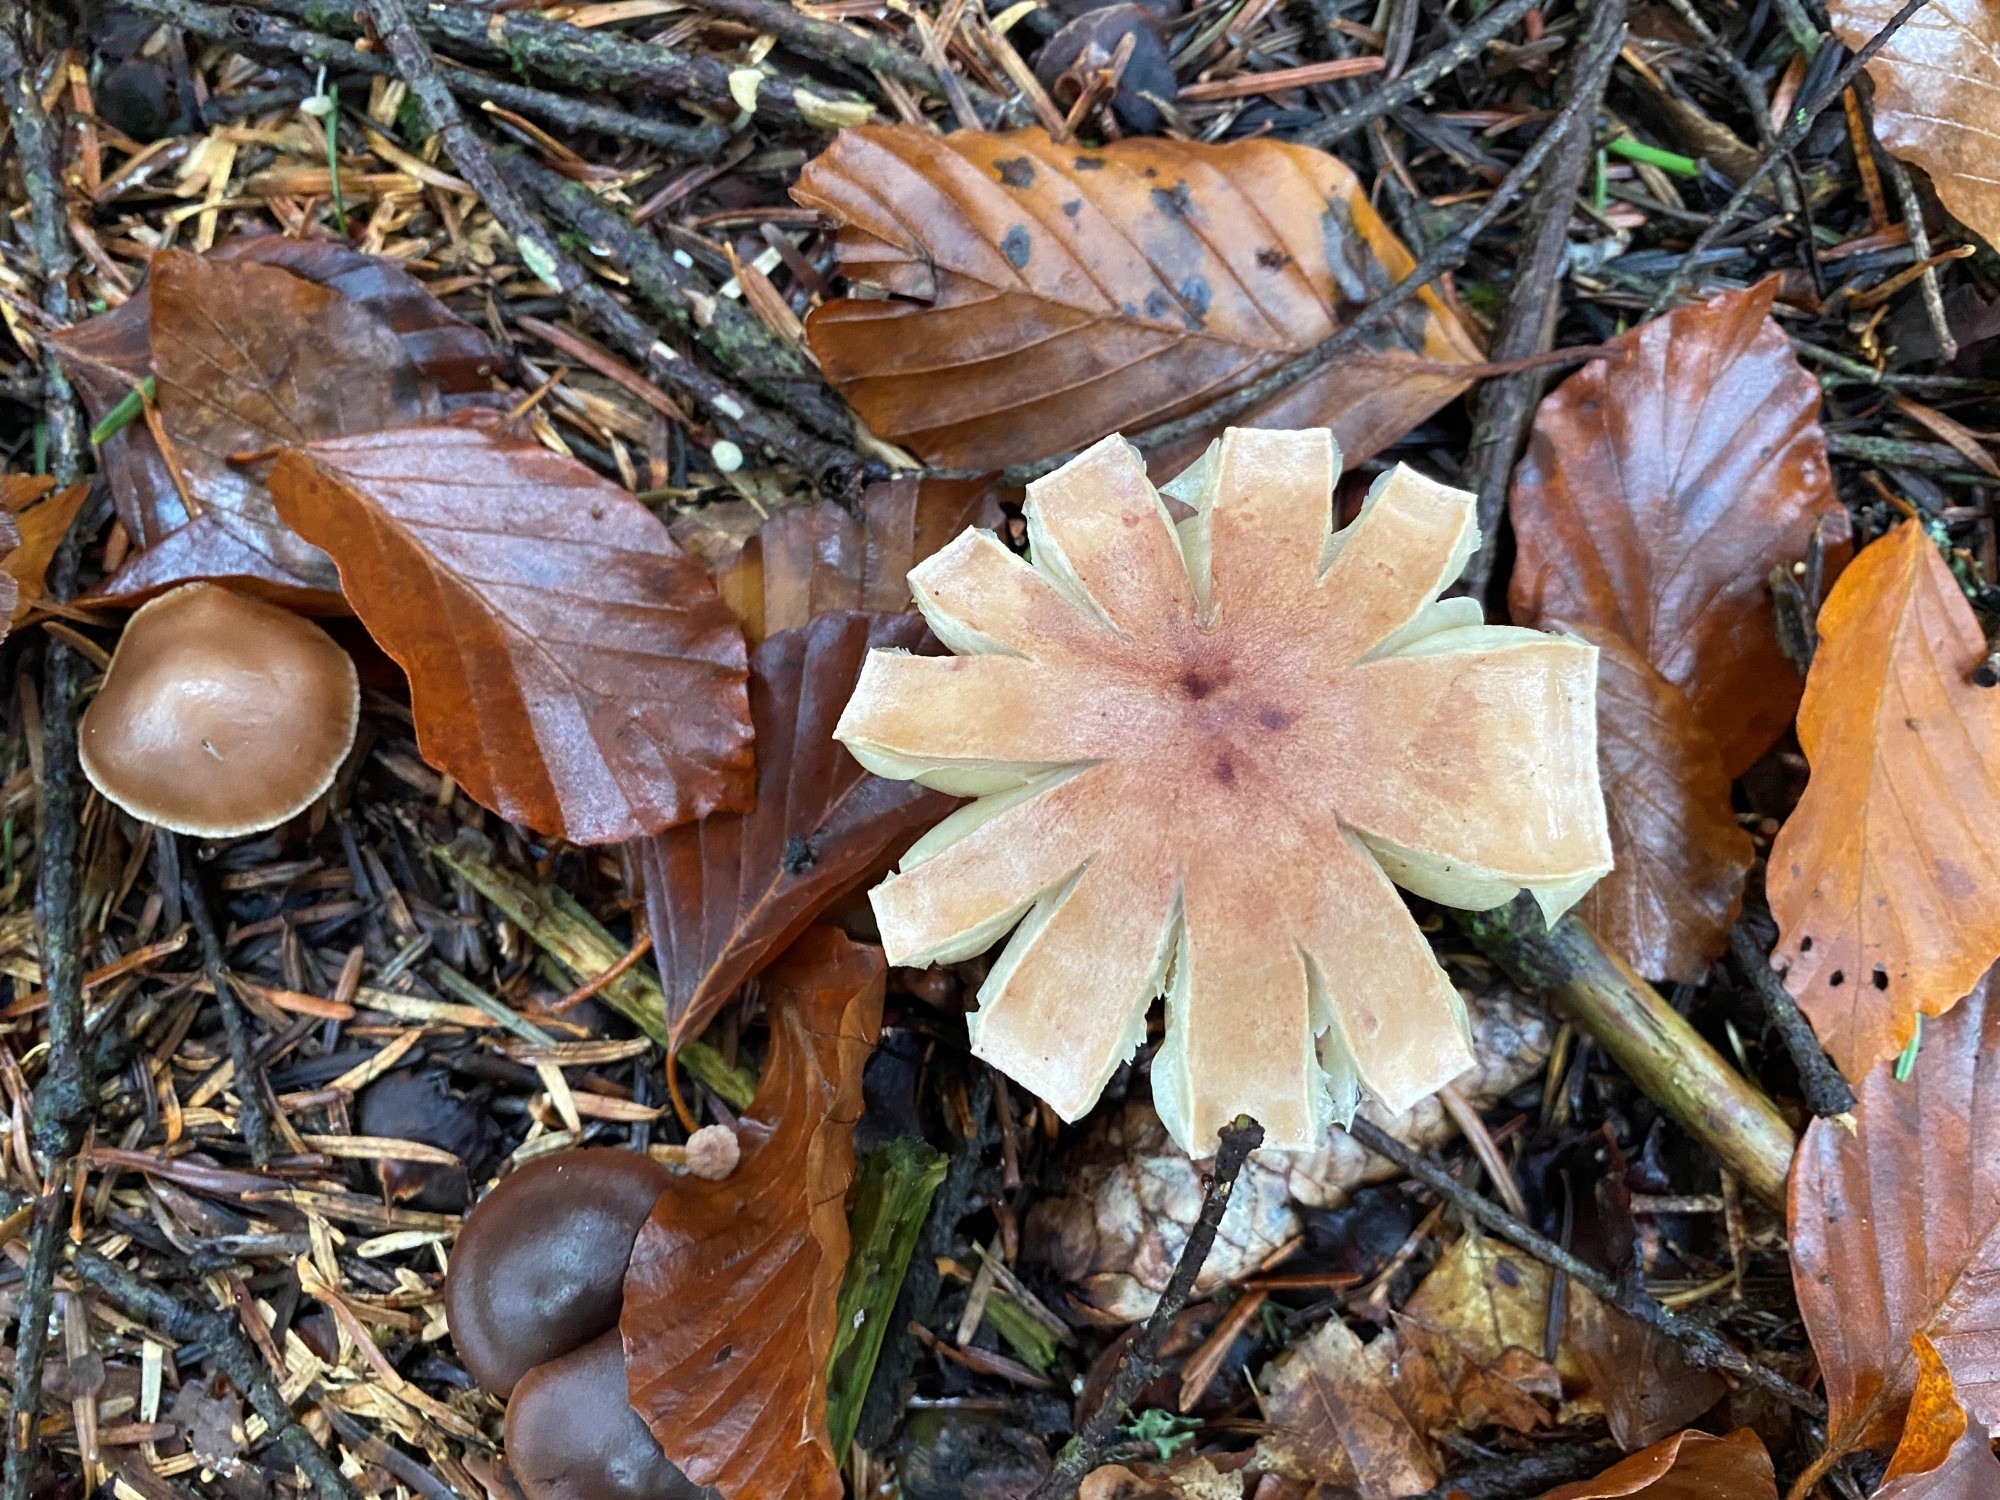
(1201, 754)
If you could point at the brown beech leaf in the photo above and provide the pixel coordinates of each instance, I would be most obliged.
(39, 518)
(1044, 296)
(1883, 879)
(263, 310)
(729, 1298)
(1942, 1455)
(1658, 492)
(1937, 96)
(1687, 1466)
(1344, 1413)
(1680, 856)
(569, 666)
(777, 573)
(728, 892)
(1895, 1230)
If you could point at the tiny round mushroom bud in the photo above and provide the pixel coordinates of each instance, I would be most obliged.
(539, 1267)
(220, 715)
(572, 1433)
(713, 1152)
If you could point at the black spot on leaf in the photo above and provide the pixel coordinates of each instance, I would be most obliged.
(799, 856)
(1088, 164)
(1016, 172)
(1175, 202)
(1073, 207)
(1158, 304)
(1015, 245)
(1195, 296)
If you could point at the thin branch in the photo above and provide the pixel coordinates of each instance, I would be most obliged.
(65, 1096)
(257, 1125)
(1139, 1365)
(1446, 255)
(220, 1336)
(1793, 133)
(243, 27)
(1827, 1091)
(1528, 326)
(735, 413)
(1702, 1344)
(1455, 54)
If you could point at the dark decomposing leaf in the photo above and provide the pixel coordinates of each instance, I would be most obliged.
(1044, 295)
(728, 892)
(569, 666)
(778, 573)
(263, 341)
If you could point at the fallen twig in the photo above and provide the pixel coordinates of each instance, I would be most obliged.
(1794, 132)
(1672, 1063)
(1702, 1344)
(728, 330)
(1504, 407)
(831, 41)
(65, 1098)
(735, 413)
(255, 1119)
(1456, 53)
(1827, 1092)
(1139, 1365)
(219, 1335)
(243, 27)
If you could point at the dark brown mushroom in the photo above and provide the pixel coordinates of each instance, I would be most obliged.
(572, 1434)
(539, 1268)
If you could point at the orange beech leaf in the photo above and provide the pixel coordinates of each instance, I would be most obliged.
(263, 341)
(728, 892)
(776, 572)
(12, 597)
(1942, 1456)
(570, 667)
(1895, 1230)
(1659, 490)
(1937, 96)
(729, 1297)
(1687, 1466)
(1201, 753)
(1680, 855)
(1885, 880)
(1045, 295)
(39, 517)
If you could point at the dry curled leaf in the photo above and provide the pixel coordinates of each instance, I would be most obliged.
(1044, 295)
(1118, 1224)
(1942, 1455)
(1680, 855)
(263, 341)
(38, 517)
(570, 667)
(1341, 1412)
(1200, 755)
(1895, 1230)
(728, 892)
(1479, 1320)
(1687, 1466)
(1659, 490)
(729, 1298)
(1937, 96)
(778, 573)
(1882, 878)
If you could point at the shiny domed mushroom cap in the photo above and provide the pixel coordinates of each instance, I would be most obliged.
(220, 715)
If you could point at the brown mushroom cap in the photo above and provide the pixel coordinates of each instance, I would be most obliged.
(539, 1267)
(220, 715)
(572, 1434)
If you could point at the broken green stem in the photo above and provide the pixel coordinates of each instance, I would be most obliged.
(1653, 156)
(126, 411)
(892, 1198)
